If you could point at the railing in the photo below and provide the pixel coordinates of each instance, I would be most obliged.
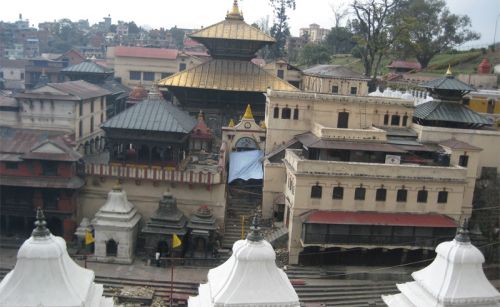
(154, 173)
(373, 240)
(370, 134)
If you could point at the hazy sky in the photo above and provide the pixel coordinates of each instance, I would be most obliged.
(197, 13)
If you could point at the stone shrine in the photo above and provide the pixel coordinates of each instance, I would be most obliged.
(164, 222)
(116, 225)
(201, 232)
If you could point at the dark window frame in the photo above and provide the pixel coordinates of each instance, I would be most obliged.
(296, 113)
(134, 75)
(386, 119)
(280, 73)
(335, 89)
(381, 194)
(316, 191)
(360, 193)
(10, 165)
(354, 90)
(338, 193)
(442, 197)
(148, 76)
(395, 120)
(463, 160)
(286, 113)
(422, 196)
(402, 195)
(276, 112)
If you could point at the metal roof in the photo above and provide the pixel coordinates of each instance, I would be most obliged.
(456, 144)
(310, 140)
(229, 75)
(81, 89)
(437, 110)
(333, 71)
(87, 67)
(448, 83)
(152, 115)
(381, 219)
(234, 29)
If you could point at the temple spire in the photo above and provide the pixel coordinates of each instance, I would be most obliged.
(40, 230)
(248, 113)
(255, 234)
(235, 12)
(448, 71)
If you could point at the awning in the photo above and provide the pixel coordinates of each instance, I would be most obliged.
(378, 218)
(311, 141)
(245, 165)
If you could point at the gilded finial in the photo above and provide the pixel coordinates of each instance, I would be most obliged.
(248, 113)
(448, 72)
(231, 123)
(235, 12)
(263, 125)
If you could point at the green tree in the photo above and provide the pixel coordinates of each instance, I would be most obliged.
(372, 31)
(133, 28)
(430, 28)
(178, 37)
(280, 29)
(340, 40)
(312, 54)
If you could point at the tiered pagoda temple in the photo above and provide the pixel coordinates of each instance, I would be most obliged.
(446, 109)
(166, 221)
(229, 81)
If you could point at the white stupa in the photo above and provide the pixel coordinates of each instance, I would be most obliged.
(249, 277)
(45, 275)
(116, 225)
(454, 278)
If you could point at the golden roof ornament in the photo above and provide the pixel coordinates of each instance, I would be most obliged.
(248, 113)
(235, 12)
(231, 123)
(448, 72)
(263, 125)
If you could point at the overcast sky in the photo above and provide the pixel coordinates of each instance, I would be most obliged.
(197, 13)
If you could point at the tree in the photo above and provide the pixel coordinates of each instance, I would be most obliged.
(280, 29)
(372, 31)
(340, 40)
(178, 37)
(339, 13)
(312, 54)
(431, 29)
(133, 28)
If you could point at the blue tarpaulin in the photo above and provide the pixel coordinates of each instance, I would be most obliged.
(245, 165)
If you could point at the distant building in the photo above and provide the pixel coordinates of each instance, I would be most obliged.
(38, 169)
(334, 79)
(283, 70)
(400, 67)
(145, 66)
(13, 73)
(75, 107)
(314, 33)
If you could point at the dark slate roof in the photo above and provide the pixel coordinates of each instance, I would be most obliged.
(87, 67)
(153, 115)
(333, 71)
(447, 83)
(115, 87)
(448, 111)
(80, 88)
(456, 144)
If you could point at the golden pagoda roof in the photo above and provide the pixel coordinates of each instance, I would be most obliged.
(233, 27)
(227, 75)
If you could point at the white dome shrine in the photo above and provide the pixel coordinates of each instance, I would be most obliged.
(45, 275)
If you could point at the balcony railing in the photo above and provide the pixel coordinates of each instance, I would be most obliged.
(299, 164)
(154, 173)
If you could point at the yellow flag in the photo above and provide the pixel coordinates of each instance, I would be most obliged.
(176, 241)
(89, 239)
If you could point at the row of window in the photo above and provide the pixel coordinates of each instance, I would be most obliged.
(80, 106)
(80, 125)
(335, 90)
(395, 120)
(286, 113)
(380, 194)
(150, 76)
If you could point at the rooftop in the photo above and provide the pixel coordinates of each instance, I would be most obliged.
(333, 71)
(87, 67)
(446, 111)
(69, 90)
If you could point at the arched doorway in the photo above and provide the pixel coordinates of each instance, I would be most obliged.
(111, 248)
(246, 143)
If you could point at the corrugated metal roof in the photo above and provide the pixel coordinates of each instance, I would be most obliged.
(143, 52)
(81, 89)
(333, 71)
(381, 219)
(229, 75)
(87, 67)
(448, 83)
(152, 115)
(233, 29)
(437, 110)
(456, 144)
(312, 141)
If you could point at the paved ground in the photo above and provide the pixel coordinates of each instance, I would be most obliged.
(138, 269)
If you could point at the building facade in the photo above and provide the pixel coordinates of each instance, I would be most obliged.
(334, 79)
(314, 33)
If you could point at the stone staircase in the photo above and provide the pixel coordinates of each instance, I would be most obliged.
(242, 201)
